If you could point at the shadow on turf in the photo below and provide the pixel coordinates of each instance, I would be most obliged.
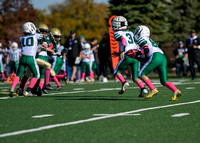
(110, 98)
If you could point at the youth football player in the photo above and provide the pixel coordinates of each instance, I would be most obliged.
(13, 57)
(29, 43)
(56, 58)
(87, 61)
(156, 60)
(126, 42)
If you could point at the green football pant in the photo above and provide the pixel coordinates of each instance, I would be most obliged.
(57, 65)
(42, 68)
(1, 67)
(157, 61)
(30, 62)
(13, 66)
(86, 65)
(123, 64)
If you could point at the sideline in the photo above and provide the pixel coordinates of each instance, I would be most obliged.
(92, 119)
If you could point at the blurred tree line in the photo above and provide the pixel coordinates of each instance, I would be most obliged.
(84, 16)
(168, 20)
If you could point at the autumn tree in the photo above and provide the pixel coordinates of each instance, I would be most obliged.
(84, 16)
(13, 14)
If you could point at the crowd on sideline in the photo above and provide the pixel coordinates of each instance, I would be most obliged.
(98, 64)
(187, 56)
(74, 66)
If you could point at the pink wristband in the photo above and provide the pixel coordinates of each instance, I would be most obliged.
(123, 40)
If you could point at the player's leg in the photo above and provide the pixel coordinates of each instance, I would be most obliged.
(32, 64)
(2, 71)
(93, 66)
(20, 72)
(117, 72)
(47, 73)
(83, 69)
(134, 68)
(57, 68)
(149, 66)
(162, 70)
(45, 68)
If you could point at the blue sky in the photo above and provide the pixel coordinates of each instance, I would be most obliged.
(41, 4)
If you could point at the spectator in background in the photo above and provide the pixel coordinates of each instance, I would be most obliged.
(74, 47)
(193, 52)
(6, 52)
(104, 56)
(1, 63)
(94, 46)
(83, 41)
(181, 55)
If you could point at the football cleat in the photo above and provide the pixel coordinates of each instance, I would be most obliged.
(19, 92)
(143, 92)
(151, 94)
(28, 92)
(177, 94)
(45, 91)
(11, 92)
(39, 91)
(48, 87)
(59, 88)
(66, 79)
(124, 86)
(82, 80)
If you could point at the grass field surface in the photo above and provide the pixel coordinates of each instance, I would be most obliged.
(96, 113)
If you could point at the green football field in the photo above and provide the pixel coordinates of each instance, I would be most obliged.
(95, 113)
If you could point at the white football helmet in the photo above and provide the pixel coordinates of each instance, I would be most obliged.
(14, 46)
(119, 23)
(87, 47)
(29, 28)
(141, 31)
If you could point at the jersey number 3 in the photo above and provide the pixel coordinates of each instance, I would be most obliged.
(130, 39)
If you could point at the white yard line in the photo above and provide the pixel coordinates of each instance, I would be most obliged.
(180, 114)
(92, 119)
(42, 116)
(190, 88)
(78, 89)
(112, 114)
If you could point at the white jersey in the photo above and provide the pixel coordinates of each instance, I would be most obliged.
(153, 47)
(128, 35)
(42, 52)
(14, 55)
(87, 54)
(29, 44)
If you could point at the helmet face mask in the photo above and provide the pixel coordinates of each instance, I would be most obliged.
(141, 31)
(14, 46)
(43, 29)
(29, 28)
(56, 34)
(119, 23)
